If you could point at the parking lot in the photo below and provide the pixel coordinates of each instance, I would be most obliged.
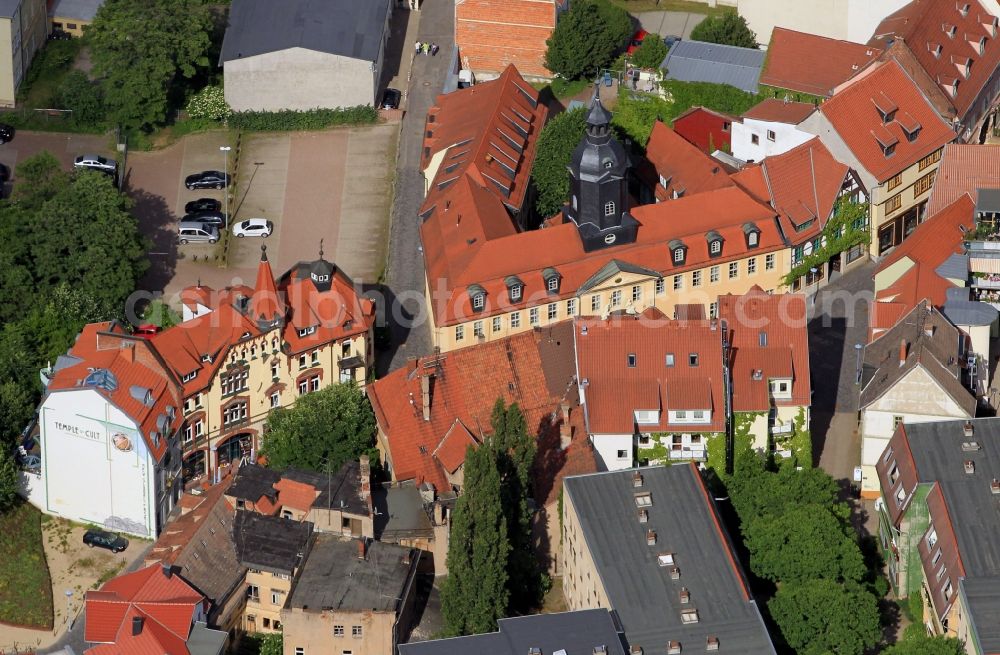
(65, 147)
(300, 181)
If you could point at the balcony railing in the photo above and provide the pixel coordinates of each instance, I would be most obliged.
(688, 452)
(782, 429)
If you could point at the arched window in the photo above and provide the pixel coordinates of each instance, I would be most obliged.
(716, 247)
(609, 208)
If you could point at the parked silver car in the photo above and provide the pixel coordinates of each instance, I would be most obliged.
(189, 232)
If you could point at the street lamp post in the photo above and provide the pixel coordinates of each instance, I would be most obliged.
(857, 366)
(225, 150)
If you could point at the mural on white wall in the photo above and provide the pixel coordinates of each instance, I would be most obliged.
(96, 468)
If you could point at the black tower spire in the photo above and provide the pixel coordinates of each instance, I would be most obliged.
(598, 173)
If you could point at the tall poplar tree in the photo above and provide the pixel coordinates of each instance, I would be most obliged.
(475, 593)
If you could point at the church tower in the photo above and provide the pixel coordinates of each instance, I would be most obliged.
(598, 173)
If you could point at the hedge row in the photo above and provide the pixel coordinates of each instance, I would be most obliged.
(314, 119)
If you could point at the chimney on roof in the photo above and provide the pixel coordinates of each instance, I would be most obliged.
(635, 649)
(903, 347)
(362, 548)
(995, 487)
(712, 643)
(136, 626)
(425, 395)
(128, 352)
(565, 429)
(167, 571)
(365, 473)
(967, 429)
(970, 466)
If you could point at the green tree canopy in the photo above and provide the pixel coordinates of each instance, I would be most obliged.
(728, 28)
(324, 428)
(587, 38)
(916, 642)
(272, 643)
(77, 93)
(651, 53)
(822, 616)
(556, 143)
(475, 594)
(10, 479)
(801, 543)
(143, 49)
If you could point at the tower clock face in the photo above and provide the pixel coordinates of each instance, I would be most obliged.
(609, 239)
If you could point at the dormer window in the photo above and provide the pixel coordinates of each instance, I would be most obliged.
(552, 279)
(982, 45)
(935, 49)
(714, 243)
(515, 288)
(304, 332)
(678, 252)
(950, 30)
(206, 359)
(752, 234)
(964, 9)
(190, 376)
(320, 278)
(478, 296)
(886, 107)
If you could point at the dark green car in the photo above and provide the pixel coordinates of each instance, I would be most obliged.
(103, 539)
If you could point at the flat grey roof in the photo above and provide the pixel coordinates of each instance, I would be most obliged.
(400, 513)
(695, 61)
(270, 543)
(83, 10)
(205, 641)
(641, 591)
(334, 577)
(972, 507)
(8, 7)
(988, 200)
(350, 28)
(573, 633)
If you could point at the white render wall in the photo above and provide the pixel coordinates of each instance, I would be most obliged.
(918, 398)
(299, 79)
(786, 137)
(608, 445)
(84, 477)
(851, 20)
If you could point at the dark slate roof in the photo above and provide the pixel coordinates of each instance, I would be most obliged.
(573, 633)
(970, 312)
(8, 7)
(206, 641)
(339, 490)
(695, 61)
(270, 543)
(988, 200)
(614, 267)
(209, 560)
(932, 342)
(339, 27)
(253, 481)
(972, 508)
(333, 577)
(83, 10)
(641, 591)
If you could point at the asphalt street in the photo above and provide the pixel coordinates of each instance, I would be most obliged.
(405, 270)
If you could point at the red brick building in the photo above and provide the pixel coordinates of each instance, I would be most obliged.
(494, 33)
(708, 129)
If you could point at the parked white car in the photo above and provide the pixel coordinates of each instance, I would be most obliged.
(97, 163)
(253, 227)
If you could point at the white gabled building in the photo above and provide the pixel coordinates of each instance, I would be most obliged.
(108, 435)
(770, 128)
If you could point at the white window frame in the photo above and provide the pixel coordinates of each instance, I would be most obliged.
(609, 208)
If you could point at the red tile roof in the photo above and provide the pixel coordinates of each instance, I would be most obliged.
(144, 388)
(295, 494)
(167, 605)
(934, 240)
(707, 129)
(780, 111)
(455, 261)
(802, 185)
(464, 386)
(812, 64)
(685, 167)
(964, 169)
(767, 334)
(943, 40)
(854, 112)
(490, 131)
(614, 389)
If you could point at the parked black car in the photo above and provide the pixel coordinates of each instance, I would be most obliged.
(103, 539)
(59, 35)
(6, 133)
(202, 205)
(207, 180)
(391, 98)
(216, 218)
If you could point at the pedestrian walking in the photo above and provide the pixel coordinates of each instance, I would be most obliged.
(427, 48)
(434, 49)
(419, 47)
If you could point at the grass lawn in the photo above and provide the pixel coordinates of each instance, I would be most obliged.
(25, 587)
(692, 6)
(47, 71)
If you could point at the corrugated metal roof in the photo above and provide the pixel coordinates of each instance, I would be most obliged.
(694, 61)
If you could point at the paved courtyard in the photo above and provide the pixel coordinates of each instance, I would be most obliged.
(300, 181)
(65, 147)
